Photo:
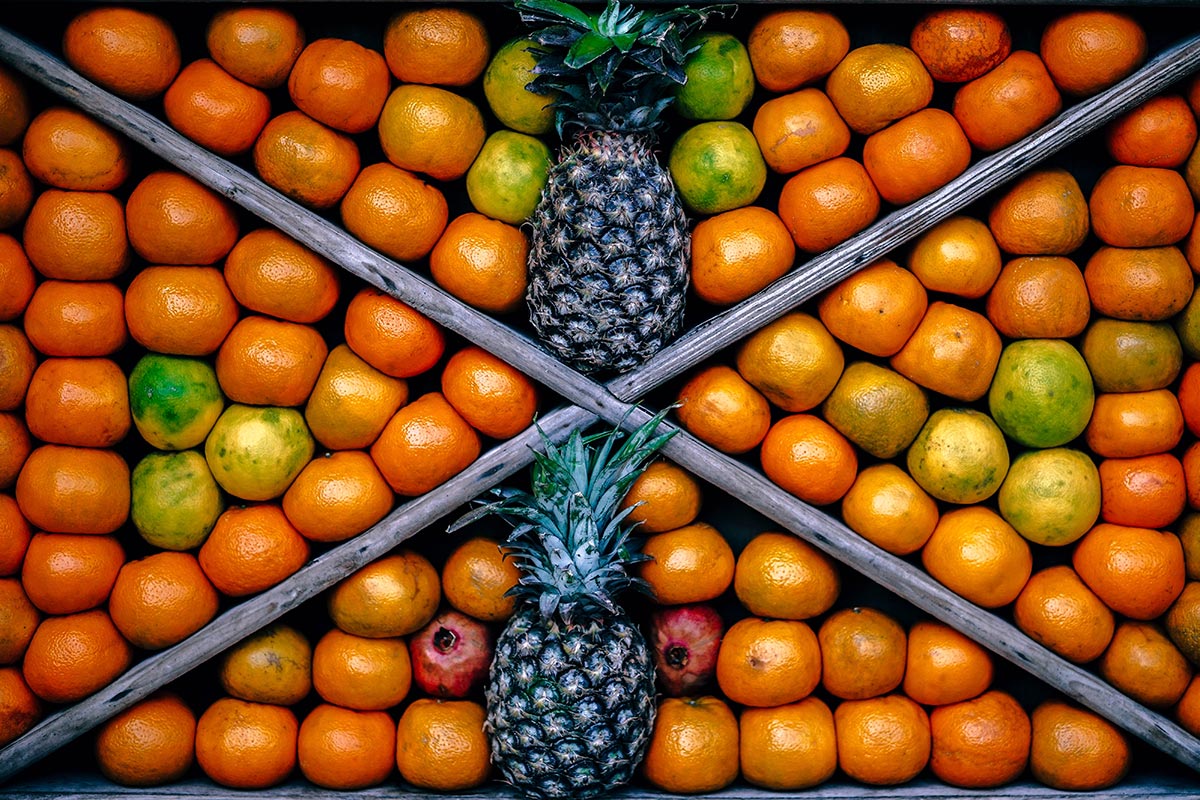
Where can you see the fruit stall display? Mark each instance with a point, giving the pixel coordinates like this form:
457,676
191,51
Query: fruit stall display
862,355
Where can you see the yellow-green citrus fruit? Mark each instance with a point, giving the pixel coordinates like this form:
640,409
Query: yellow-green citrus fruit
1051,496
255,452
1041,394
1187,324
505,85
717,167
506,180
174,400
1131,356
878,409
959,456
720,80
174,501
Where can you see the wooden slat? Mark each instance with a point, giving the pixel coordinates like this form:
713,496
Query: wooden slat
592,399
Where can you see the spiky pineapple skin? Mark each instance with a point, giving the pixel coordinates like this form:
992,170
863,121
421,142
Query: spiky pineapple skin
570,708
609,254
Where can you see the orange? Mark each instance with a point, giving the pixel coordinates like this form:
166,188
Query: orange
20,618
783,577
1008,102
251,548
216,110
15,535
882,740
1043,213
342,749
1187,710
718,406
65,573
687,565
78,401
736,253
274,274
305,160
876,309
1057,610
915,155
1075,749
980,743
798,130
793,361
392,336
1145,492
767,663
361,673
77,236
493,397
394,596
1141,207
1087,51
14,107
255,44
1132,356
665,497
174,219
76,318
180,310
879,410
1039,297
430,130
395,212
1182,622
1148,283
877,84
791,47
17,363
441,745
336,496
16,188
1143,663
694,747
944,666
1189,535
351,401
1191,471
1161,132
1136,572
978,555
1130,424
788,747
827,203
270,362
74,489
148,744
161,599
958,256
246,745
960,44
72,656
807,457
340,83
20,708
15,447
67,149
424,444
889,509
477,577
17,281
863,653
481,261
446,46
953,351
130,52
271,666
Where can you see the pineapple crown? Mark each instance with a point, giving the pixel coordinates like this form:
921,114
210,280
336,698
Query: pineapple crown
639,55
570,539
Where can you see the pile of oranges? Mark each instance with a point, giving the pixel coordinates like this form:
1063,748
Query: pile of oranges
191,407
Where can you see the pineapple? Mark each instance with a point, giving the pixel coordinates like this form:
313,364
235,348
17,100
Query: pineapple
570,694
609,250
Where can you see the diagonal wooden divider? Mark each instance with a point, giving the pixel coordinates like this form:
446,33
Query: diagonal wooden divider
610,403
